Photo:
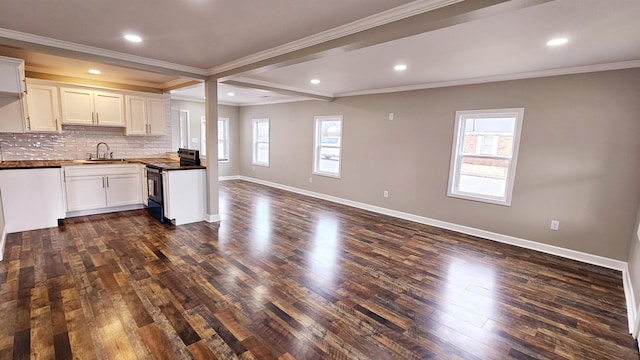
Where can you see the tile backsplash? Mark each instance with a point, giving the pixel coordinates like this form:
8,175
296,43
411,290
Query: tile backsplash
75,142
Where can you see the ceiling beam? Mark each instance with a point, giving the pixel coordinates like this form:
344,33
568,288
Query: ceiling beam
443,17
277,90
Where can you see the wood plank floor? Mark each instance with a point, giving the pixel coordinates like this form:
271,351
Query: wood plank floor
289,277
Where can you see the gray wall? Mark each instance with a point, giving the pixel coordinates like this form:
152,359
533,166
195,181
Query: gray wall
578,160
196,111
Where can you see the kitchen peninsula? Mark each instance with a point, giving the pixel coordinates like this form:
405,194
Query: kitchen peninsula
40,193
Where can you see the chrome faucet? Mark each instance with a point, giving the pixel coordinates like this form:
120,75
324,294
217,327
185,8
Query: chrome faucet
104,156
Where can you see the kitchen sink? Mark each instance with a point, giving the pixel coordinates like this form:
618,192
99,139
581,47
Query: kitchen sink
100,161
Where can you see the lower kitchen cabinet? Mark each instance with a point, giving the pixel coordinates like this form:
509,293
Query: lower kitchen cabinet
31,198
184,195
102,187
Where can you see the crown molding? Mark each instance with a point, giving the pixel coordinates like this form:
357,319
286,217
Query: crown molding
98,52
496,78
385,17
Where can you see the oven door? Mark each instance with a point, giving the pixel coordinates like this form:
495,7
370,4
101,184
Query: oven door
154,185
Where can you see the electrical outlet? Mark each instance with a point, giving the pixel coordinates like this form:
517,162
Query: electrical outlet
310,179
390,116
385,193
555,225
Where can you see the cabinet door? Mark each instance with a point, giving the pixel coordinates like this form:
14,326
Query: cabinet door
77,106
85,192
156,117
123,189
11,115
136,115
42,108
109,109
11,76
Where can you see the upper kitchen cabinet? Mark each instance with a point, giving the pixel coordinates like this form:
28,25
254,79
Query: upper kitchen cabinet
145,115
11,77
43,111
82,106
11,91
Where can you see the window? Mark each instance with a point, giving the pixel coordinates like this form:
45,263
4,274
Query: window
223,139
484,154
327,145
261,142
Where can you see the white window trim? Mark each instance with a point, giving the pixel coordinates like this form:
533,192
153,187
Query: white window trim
255,142
226,139
457,150
317,142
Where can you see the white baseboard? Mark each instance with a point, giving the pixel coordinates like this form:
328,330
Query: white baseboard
104,210
231,177
505,239
212,218
3,241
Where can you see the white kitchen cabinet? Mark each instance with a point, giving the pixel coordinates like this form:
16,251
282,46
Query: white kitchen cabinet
184,195
85,192
102,188
43,111
11,77
11,95
123,189
31,198
81,106
145,115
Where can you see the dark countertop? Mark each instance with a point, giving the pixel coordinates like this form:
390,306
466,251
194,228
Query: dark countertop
162,163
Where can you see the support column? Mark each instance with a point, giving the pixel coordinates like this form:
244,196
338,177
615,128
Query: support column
211,113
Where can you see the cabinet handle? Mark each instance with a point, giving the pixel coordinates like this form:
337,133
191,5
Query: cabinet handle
93,121
103,182
107,181
97,118
29,122
57,125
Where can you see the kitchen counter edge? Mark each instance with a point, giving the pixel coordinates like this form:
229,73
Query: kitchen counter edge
44,164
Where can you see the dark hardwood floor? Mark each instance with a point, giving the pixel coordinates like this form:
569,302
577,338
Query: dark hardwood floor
291,277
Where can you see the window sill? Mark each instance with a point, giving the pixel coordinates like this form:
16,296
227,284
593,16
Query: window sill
477,198
330,175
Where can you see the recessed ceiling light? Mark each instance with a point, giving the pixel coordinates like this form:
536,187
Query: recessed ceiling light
315,81
400,67
133,38
557,41
94,72
231,94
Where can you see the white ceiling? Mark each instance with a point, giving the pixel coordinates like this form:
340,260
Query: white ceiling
281,44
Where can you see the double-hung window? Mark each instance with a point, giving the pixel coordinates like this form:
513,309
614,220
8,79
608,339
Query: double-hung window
484,154
327,145
223,139
261,142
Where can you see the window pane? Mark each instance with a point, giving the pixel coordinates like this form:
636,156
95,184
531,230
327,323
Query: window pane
221,153
489,136
263,132
262,153
483,176
221,130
